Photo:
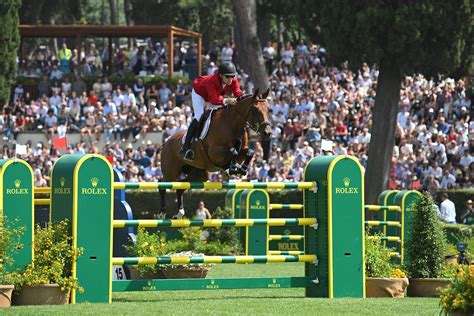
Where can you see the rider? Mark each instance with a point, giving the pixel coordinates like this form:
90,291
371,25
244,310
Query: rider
211,89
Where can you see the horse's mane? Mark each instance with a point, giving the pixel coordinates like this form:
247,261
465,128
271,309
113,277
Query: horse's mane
244,96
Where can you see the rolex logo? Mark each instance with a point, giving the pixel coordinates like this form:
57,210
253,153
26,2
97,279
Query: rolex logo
94,182
274,281
213,282
346,182
62,181
17,190
257,202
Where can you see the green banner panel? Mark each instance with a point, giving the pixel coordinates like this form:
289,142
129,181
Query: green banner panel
340,214
17,205
82,191
209,284
256,203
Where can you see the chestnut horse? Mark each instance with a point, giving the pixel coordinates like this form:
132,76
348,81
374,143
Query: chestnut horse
223,148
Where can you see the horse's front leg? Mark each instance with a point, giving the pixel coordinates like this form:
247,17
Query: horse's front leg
179,197
234,167
248,157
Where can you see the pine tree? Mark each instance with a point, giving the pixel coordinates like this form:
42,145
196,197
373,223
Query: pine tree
9,43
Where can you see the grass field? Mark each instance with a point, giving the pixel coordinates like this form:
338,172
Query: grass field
238,302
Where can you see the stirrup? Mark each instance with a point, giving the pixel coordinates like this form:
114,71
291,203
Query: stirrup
189,155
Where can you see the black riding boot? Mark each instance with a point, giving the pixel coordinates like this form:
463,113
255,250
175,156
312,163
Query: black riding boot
186,150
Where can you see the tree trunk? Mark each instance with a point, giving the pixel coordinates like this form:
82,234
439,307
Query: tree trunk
127,8
250,48
383,131
113,12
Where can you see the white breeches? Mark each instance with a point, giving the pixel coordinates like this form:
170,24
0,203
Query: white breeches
198,105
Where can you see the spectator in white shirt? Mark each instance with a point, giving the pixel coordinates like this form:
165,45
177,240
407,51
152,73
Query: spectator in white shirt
448,181
447,210
466,159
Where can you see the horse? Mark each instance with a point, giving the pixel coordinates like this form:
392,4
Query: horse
224,147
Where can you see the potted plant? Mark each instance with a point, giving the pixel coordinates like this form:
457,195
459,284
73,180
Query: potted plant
426,247
184,271
47,280
189,245
147,245
458,297
10,236
383,278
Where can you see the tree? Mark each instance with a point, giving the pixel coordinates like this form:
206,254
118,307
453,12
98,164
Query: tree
8,46
402,37
250,48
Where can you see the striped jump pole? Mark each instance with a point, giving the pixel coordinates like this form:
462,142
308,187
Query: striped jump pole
376,208
383,223
283,252
213,259
212,185
42,201
179,223
82,188
42,190
298,207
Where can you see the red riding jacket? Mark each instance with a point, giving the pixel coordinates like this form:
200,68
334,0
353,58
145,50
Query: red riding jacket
212,89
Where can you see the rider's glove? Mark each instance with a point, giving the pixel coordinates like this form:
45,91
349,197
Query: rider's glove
230,101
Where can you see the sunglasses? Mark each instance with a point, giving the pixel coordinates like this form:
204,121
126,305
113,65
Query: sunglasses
229,76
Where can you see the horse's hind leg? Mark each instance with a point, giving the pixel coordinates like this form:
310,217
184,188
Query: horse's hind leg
193,175
179,197
162,213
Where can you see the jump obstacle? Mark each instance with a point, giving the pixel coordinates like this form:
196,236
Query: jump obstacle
394,214
82,191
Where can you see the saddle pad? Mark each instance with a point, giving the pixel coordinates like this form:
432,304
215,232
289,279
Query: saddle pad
205,128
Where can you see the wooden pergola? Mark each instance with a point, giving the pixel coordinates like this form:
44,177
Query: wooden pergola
79,32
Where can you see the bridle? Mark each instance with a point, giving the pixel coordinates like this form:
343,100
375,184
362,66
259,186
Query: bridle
257,127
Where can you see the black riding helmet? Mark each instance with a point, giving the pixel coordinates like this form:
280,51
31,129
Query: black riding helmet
227,68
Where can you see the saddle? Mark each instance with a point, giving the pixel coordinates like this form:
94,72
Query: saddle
205,121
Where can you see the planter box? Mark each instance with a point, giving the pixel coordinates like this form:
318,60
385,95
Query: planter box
135,275
45,294
6,295
426,287
385,287
185,273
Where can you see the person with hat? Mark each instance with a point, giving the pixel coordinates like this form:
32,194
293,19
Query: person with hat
211,89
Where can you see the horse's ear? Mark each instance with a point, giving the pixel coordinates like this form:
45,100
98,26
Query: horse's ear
255,93
265,95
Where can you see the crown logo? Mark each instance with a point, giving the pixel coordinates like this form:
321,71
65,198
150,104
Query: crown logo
257,202
94,182
17,183
212,282
287,232
62,181
274,281
346,181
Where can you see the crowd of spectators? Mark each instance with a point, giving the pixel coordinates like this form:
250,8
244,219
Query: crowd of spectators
311,102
